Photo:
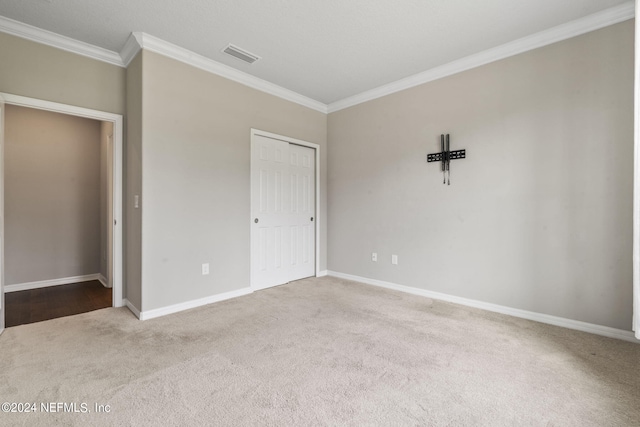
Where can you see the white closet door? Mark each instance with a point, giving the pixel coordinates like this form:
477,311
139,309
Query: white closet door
303,207
270,202
282,212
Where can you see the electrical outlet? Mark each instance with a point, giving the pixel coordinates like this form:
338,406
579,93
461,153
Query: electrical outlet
136,201
374,257
205,269
394,259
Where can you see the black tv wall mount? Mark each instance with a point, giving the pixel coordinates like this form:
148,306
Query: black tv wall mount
445,157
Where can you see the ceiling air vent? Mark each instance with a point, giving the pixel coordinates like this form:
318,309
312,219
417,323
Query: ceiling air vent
242,55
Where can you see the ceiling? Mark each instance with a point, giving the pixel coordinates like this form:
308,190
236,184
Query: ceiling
327,50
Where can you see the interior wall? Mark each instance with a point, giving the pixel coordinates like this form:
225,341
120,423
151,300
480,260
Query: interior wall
537,217
196,150
52,195
43,72
133,185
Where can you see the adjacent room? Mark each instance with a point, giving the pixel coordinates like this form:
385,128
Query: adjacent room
56,215
320,213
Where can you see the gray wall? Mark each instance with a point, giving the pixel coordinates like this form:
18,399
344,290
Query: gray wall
52,195
133,185
537,217
43,72
196,190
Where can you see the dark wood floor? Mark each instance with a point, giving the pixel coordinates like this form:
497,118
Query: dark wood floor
36,305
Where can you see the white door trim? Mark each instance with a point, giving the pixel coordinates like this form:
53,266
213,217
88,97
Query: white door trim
257,132
635,322
118,129
2,308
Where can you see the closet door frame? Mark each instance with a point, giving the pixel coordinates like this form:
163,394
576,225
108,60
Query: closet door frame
317,218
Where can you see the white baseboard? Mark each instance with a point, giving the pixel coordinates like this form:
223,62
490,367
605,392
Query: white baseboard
150,314
131,307
53,282
530,315
322,273
104,281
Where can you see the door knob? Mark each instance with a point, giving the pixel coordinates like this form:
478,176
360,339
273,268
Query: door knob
311,219
255,220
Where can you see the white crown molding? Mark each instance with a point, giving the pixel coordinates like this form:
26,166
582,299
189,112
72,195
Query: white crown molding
54,282
571,29
38,35
178,53
523,314
130,49
150,314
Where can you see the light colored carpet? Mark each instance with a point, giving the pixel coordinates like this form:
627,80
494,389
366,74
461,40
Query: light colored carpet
319,352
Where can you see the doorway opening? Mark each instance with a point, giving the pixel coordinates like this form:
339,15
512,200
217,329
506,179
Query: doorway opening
74,255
